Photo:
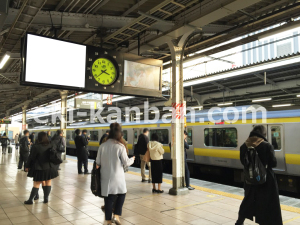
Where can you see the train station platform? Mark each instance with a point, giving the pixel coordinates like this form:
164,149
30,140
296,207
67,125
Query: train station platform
71,201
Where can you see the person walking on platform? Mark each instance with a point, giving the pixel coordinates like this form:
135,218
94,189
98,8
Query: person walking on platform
24,149
4,142
112,157
186,168
141,145
44,171
17,141
59,141
81,151
49,135
261,200
156,155
104,136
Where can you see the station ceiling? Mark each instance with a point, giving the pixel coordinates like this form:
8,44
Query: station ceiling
116,24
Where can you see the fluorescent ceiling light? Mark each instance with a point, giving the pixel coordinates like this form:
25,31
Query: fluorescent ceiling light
139,113
298,96
283,105
154,112
197,107
79,120
4,60
226,103
103,117
262,100
248,70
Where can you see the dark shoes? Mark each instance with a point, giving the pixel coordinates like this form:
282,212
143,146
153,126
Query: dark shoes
28,202
149,181
87,173
145,180
190,188
37,197
47,190
34,192
157,191
80,173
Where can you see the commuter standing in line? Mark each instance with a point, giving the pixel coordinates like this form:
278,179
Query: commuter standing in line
59,141
44,170
24,149
49,135
142,143
81,151
4,142
32,137
104,136
186,168
112,157
156,154
261,201
16,141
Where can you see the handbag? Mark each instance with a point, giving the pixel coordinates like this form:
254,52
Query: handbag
96,181
146,157
55,157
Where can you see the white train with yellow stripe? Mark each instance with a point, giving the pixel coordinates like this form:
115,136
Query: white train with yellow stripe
214,147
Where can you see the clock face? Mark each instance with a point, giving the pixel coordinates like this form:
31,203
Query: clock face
104,71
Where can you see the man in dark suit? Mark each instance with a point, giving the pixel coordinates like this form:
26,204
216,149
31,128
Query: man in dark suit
186,169
142,143
82,153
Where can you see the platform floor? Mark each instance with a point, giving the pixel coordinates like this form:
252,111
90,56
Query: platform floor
71,201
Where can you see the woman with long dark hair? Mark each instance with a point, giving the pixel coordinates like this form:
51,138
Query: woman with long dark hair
261,201
112,157
44,171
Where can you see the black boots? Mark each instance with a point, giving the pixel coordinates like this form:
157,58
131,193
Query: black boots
47,190
34,192
37,196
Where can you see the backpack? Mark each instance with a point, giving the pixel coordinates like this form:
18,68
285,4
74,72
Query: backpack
136,150
55,157
254,171
4,141
96,181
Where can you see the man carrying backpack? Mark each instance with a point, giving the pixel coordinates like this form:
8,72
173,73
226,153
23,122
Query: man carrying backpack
261,190
4,142
24,149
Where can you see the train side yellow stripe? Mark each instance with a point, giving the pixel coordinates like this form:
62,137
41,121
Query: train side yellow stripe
140,126
167,149
93,143
229,154
129,146
292,159
102,128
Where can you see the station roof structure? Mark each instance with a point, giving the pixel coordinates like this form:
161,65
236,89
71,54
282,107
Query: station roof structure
116,24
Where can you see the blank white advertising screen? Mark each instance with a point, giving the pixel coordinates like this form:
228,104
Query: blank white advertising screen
54,62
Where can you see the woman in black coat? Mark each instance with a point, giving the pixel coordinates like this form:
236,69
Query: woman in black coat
81,151
261,201
44,171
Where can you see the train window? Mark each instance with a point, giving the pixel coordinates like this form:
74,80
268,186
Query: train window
135,137
190,136
220,137
163,135
276,137
73,135
94,135
125,133
68,135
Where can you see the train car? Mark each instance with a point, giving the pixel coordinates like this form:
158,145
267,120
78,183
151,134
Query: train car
214,146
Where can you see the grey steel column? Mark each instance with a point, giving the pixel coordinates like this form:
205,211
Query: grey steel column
6,125
177,126
24,118
63,118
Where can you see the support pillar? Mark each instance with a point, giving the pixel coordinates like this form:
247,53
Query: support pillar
24,125
63,118
177,126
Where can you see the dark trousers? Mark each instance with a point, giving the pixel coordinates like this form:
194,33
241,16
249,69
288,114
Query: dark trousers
81,161
187,173
22,160
4,148
240,221
114,200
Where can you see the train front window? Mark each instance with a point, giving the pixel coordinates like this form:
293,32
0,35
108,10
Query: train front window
135,137
94,135
220,137
163,135
125,133
190,136
276,137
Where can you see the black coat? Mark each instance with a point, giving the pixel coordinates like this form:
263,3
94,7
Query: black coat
262,201
102,138
39,157
81,150
142,144
24,146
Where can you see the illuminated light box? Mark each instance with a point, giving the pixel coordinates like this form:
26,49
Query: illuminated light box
57,64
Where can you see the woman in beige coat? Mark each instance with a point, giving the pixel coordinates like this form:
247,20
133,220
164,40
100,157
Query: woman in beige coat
156,154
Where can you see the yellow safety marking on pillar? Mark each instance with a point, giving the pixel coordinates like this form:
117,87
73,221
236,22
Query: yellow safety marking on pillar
287,221
200,203
215,192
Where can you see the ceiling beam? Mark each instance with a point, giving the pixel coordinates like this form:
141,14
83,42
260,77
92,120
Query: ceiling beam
60,4
103,2
221,86
270,81
134,7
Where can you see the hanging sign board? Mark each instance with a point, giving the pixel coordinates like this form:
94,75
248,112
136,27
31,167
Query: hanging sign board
87,103
5,121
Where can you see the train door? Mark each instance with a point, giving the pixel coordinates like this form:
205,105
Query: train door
190,151
275,137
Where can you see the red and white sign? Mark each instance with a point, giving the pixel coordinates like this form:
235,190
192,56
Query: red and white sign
178,110
109,100
24,126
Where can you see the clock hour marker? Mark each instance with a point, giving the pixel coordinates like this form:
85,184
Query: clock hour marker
90,59
96,85
89,68
96,53
120,65
90,77
105,53
104,87
114,57
112,86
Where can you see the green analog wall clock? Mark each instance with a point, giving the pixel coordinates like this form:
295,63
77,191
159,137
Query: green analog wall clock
104,71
